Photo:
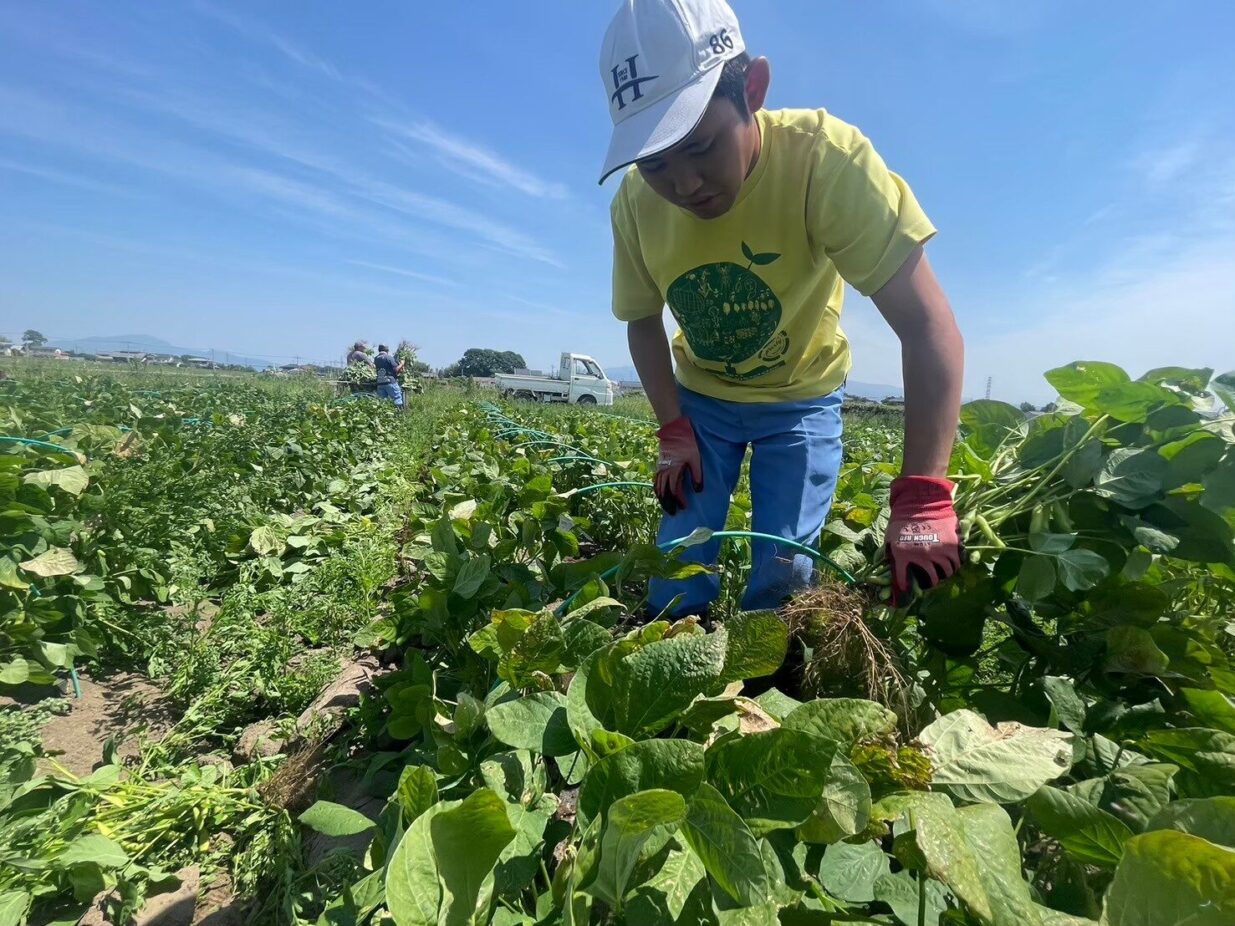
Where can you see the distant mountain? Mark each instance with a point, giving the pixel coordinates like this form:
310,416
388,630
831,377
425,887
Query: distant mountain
151,345
622,374
876,391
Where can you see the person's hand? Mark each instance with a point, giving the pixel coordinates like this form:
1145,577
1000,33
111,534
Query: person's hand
922,534
678,453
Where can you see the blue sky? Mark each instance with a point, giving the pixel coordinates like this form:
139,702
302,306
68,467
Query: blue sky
280,178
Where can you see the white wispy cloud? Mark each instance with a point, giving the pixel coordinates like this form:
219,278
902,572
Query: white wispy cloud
401,271
256,32
53,175
1166,307
473,161
1161,164
339,193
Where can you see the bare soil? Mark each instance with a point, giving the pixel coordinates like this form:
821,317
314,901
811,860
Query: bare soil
123,705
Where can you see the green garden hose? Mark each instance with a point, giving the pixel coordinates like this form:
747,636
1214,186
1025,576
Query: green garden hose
608,485
729,535
580,458
509,431
549,442
30,441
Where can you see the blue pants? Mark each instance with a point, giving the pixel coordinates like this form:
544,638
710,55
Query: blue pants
795,458
390,391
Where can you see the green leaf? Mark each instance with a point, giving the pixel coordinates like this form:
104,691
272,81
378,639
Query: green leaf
1206,759
413,892
763,259
747,252
850,871
987,424
774,779
758,641
676,893
1133,401
1055,918
520,860
536,722
974,852
333,819
71,479
14,672
1091,835
471,576
1186,378
1135,793
1219,494
14,907
900,892
1052,544
54,562
265,541
1036,579
1133,650
463,511
1081,381
1083,465
1080,570
1212,708
1168,878
1131,476
538,650
441,873
631,821
845,808
1224,386
974,761
638,689
93,848
9,577
1211,818
845,721
1191,458
416,791
660,764
726,846
1069,707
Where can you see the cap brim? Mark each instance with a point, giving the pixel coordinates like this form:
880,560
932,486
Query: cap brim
662,125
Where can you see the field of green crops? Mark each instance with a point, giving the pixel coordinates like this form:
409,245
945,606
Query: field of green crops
396,669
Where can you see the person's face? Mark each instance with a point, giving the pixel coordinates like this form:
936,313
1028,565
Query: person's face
704,172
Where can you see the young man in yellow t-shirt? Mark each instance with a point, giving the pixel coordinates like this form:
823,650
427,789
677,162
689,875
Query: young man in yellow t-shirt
747,223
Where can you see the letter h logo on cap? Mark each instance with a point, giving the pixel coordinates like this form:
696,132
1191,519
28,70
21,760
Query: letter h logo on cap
627,78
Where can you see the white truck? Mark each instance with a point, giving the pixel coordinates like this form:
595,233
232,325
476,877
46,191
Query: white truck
579,379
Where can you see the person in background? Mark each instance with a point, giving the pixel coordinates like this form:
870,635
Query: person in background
360,354
388,372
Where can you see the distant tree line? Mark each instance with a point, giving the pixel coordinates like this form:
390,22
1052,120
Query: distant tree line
481,361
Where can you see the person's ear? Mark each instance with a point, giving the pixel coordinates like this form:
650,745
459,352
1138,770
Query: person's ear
758,78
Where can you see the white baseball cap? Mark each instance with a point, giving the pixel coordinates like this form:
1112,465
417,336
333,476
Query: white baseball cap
660,64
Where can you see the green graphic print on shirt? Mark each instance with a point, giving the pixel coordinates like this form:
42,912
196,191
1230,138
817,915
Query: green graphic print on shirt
728,315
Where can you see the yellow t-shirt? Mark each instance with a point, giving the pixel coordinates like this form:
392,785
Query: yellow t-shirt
757,292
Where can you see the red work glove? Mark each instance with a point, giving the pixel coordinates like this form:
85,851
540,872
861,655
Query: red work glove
922,533
678,453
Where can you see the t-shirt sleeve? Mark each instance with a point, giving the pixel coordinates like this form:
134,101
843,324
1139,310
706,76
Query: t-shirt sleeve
635,294
863,217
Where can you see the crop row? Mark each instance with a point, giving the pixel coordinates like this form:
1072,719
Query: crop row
1048,740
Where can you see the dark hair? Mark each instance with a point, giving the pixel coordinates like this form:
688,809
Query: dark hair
732,85
382,347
